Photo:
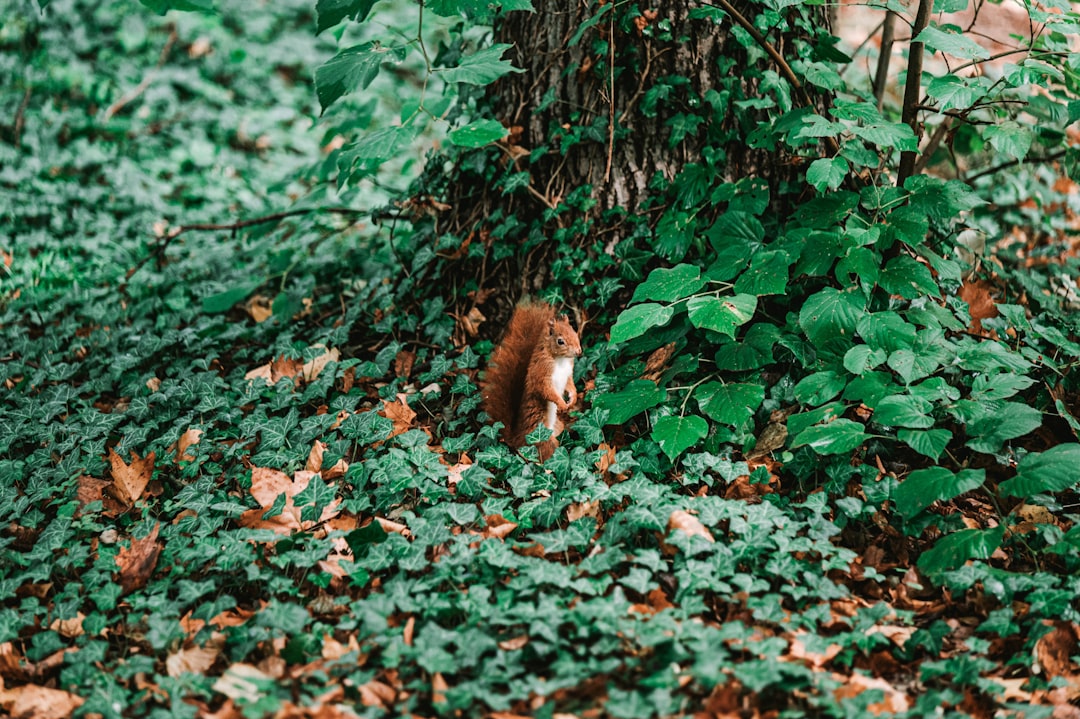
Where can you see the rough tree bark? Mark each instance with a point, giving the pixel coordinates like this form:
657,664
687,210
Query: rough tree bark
620,101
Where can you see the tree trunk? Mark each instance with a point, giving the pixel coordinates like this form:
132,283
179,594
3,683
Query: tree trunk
603,128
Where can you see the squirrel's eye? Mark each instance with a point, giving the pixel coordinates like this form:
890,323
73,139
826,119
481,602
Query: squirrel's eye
562,341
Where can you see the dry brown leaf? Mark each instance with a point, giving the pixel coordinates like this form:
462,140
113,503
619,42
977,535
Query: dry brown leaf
688,524
1054,650
311,369
261,372
981,305
816,660
195,660
377,694
138,561
90,490
438,688
577,510
403,363
129,480
333,650
242,682
389,526
13,664
472,321
893,701
407,632
266,486
512,645
187,439
498,527
259,308
453,473
69,628
399,413
284,367
232,618
658,362
153,384
314,459
34,702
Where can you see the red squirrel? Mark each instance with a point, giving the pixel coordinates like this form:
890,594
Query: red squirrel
530,372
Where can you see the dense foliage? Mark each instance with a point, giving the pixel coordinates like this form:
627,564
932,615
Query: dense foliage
826,458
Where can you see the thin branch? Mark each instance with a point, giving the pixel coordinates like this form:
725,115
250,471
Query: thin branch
277,216
146,81
20,119
912,89
1014,162
611,97
884,57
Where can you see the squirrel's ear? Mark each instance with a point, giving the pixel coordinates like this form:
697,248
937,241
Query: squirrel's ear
551,326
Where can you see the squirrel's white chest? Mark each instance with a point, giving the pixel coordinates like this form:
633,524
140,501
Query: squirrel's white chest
560,375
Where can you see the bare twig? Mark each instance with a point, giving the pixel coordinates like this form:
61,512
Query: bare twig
884,56
912,88
1014,162
935,140
611,97
277,216
20,118
147,80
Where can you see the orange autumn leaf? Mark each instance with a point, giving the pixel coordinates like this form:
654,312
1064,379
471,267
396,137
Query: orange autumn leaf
399,413
195,660
34,702
187,439
138,561
310,370
266,486
981,305
688,524
129,480
315,461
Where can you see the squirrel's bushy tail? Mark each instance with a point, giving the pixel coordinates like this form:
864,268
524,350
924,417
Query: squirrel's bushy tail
503,386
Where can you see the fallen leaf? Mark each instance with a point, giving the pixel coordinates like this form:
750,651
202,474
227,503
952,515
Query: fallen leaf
90,490
389,526
13,664
407,632
577,510
34,702
1054,650
138,561
129,480
243,682
399,413
69,628
259,308
153,384
195,660
893,701
315,460
981,305
266,486
377,694
472,321
187,439
688,524
311,369
438,688
657,362
512,645
403,363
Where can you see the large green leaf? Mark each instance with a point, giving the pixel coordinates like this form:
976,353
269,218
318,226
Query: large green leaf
677,434
639,319
638,396
929,443
923,487
722,314
827,173
1005,421
1055,470
668,285
352,69
954,549
331,12
952,43
829,317
767,274
482,67
730,403
901,410
836,437
224,301
477,134
819,387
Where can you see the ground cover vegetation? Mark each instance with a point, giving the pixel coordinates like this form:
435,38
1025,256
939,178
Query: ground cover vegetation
825,456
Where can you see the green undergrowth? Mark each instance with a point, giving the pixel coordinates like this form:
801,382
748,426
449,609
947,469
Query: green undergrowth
244,470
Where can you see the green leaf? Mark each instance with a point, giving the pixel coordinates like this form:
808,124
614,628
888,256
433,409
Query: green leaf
732,403
923,487
482,67
755,351
224,301
721,314
952,43
908,278
767,274
351,69
861,358
827,173
638,320
930,443
901,410
1055,470
1010,138
375,148
887,331
668,285
331,12
360,540
836,437
477,134
1007,421
638,396
998,386
888,134
677,434
954,549
818,388
954,92
829,317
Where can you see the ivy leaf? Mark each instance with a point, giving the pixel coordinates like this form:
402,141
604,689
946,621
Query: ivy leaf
930,443
482,67
373,149
954,549
331,12
732,403
638,320
677,434
1055,470
827,173
901,410
224,301
951,43
668,285
352,69
721,314
836,437
830,315
923,487
638,396
477,134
